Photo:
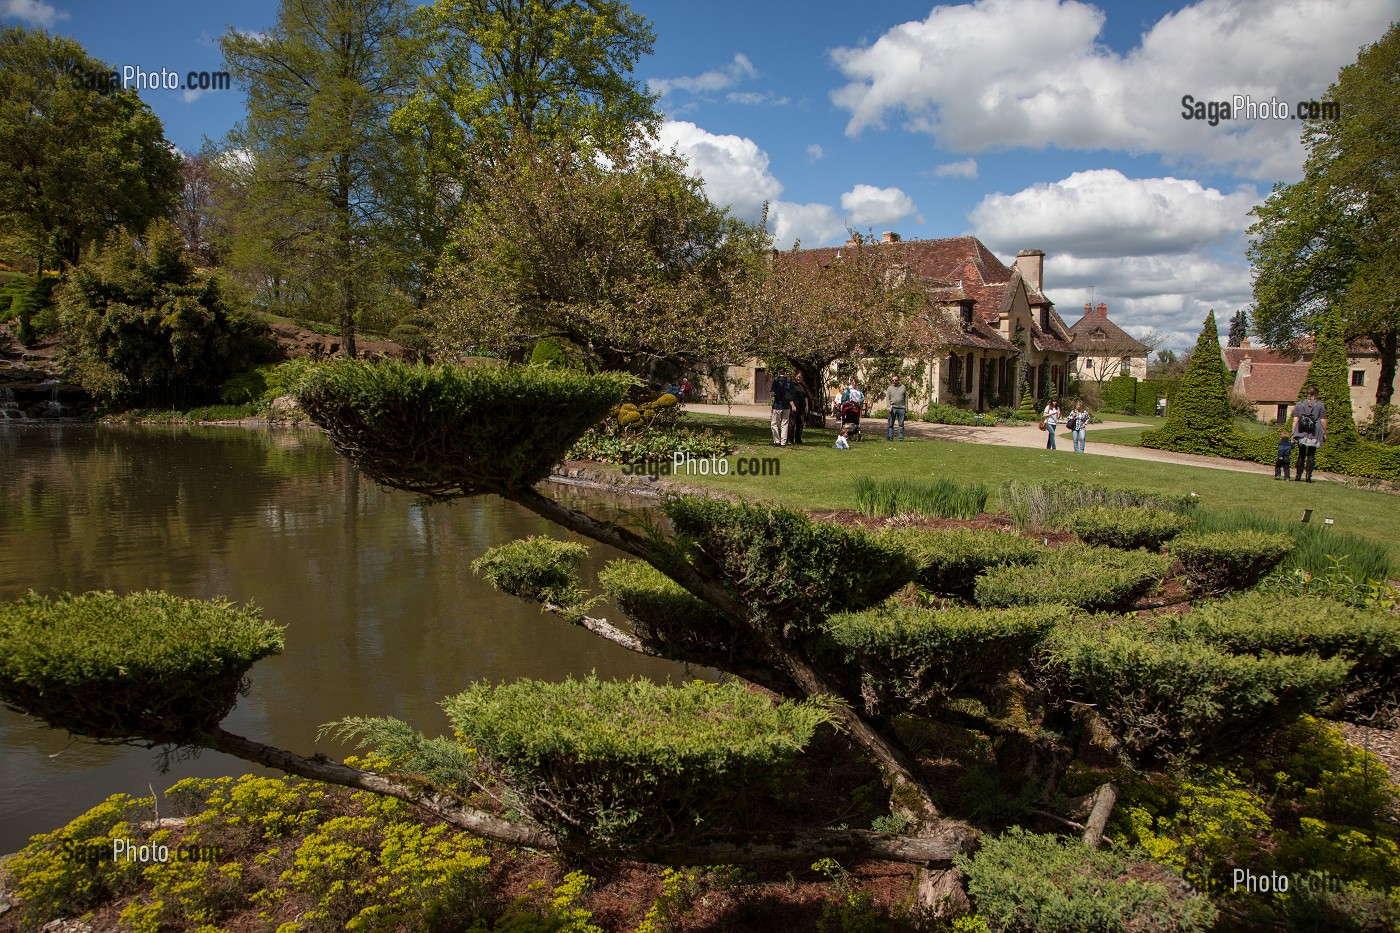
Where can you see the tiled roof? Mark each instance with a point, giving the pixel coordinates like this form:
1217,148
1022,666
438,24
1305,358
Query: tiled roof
962,268
1301,351
1272,382
1114,342
1235,355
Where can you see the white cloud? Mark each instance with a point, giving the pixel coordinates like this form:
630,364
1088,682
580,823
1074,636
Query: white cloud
811,224
1160,252
1104,213
752,98
995,74
868,206
716,79
815,152
734,168
33,12
967,168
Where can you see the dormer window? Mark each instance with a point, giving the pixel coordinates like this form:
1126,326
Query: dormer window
1045,318
966,310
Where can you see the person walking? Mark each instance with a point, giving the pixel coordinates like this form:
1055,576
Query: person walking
1076,422
1285,455
782,409
1052,420
1309,431
897,398
797,390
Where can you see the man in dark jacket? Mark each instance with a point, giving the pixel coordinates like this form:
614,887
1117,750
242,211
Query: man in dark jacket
797,391
782,409
1309,430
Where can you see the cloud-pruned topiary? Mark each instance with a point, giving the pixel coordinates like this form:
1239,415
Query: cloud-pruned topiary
634,763
447,431
144,669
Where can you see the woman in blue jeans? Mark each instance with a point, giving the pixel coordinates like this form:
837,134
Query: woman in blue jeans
1076,421
1052,420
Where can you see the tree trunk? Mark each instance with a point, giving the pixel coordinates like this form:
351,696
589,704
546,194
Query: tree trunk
1387,344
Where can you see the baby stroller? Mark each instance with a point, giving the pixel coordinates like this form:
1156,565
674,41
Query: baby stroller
850,420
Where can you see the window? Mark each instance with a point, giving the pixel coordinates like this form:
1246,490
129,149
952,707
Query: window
966,313
1045,318
1358,377
1282,413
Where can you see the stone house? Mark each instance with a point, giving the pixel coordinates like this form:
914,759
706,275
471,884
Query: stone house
1104,350
1271,379
991,323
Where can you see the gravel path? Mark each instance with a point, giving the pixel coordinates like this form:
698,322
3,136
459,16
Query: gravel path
1023,436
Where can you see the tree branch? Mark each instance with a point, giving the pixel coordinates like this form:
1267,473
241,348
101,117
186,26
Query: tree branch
939,847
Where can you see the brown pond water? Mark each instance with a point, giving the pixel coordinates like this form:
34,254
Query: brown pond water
383,615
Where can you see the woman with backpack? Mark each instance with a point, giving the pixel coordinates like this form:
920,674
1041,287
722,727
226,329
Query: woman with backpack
1309,431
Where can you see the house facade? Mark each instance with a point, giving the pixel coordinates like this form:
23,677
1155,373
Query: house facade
991,324
1104,350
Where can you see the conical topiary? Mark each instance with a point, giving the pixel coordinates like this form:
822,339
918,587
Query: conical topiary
1328,371
1198,420
1026,410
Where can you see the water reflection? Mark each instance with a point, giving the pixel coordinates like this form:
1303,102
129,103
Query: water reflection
383,614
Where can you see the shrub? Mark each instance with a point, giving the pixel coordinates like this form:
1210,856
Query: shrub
949,560
662,611
1198,418
1265,623
634,763
1223,561
1094,579
1316,545
147,668
656,446
910,658
1041,884
1119,395
540,569
1161,697
1050,505
412,337
248,386
446,431
791,570
938,498
1127,528
947,414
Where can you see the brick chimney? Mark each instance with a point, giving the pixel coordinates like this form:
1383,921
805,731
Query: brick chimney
889,237
1031,264
1103,310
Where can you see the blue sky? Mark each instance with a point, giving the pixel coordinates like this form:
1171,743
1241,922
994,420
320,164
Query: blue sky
1046,124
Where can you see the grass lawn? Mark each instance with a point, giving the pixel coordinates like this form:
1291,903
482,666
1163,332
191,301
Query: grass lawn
1132,437
816,476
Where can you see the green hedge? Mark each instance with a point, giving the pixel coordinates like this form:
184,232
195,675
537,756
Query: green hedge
447,431
633,763
144,669
1127,528
950,414
1162,698
1224,561
1119,395
949,560
1090,578
1264,623
910,659
1025,883
791,570
937,498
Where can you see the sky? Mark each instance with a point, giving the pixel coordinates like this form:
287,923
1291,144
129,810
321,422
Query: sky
1032,124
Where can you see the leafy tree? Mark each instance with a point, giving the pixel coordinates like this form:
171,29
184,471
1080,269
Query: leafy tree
1328,240
490,71
78,155
1239,329
316,157
148,326
623,257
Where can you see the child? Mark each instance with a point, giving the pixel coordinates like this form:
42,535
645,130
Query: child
1285,450
841,442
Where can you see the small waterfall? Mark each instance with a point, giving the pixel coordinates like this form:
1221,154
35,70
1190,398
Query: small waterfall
53,408
9,408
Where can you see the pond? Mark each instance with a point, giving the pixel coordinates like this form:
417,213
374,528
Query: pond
383,615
